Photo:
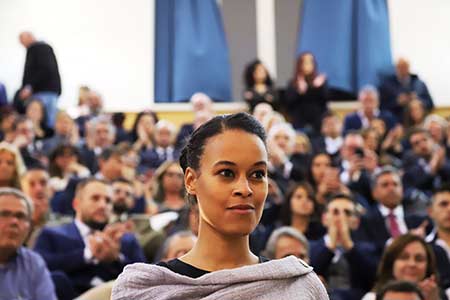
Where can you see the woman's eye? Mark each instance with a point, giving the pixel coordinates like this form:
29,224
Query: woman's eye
226,173
259,174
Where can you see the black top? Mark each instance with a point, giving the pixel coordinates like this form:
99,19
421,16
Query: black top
41,69
182,268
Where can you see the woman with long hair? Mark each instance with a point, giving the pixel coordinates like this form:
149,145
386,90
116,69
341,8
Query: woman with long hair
258,85
12,166
306,95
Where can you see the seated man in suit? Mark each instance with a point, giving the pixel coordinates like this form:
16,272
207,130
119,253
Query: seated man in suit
100,134
123,201
331,140
397,90
346,263
23,274
387,218
35,184
88,252
369,102
426,158
356,165
165,134
439,239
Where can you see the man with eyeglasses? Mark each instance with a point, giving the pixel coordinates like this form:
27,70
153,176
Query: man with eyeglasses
23,273
347,264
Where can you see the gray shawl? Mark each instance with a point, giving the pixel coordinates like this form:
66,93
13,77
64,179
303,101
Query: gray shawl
287,278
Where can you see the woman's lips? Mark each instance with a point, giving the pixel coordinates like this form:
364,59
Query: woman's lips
241,208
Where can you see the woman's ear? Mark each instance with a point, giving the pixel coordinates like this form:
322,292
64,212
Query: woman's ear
190,181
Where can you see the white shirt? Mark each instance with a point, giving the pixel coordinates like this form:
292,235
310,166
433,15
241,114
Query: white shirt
399,214
364,120
169,152
333,145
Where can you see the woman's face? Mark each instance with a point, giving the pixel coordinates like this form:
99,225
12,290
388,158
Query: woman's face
436,131
308,64
7,166
301,204
371,140
411,264
416,111
34,111
319,166
259,74
172,180
64,160
282,140
231,184
148,123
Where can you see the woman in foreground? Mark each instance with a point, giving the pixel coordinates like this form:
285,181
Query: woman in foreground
225,172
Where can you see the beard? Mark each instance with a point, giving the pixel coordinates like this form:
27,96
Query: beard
94,225
120,208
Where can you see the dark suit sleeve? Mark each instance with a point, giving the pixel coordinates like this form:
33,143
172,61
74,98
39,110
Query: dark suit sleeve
131,250
363,264
321,257
48,246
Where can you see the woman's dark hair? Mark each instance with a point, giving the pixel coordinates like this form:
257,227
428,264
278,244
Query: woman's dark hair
385,271
134,135
286,211
299,69
249,74
53,169
309,174
400,286
193,150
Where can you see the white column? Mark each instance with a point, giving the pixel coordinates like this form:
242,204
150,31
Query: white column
265,30
151,84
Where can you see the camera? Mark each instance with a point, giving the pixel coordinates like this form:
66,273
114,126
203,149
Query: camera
360,152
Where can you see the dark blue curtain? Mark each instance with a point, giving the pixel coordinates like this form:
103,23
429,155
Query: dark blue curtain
191,51
350,39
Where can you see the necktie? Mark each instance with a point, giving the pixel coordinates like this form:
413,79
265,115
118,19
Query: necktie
393,225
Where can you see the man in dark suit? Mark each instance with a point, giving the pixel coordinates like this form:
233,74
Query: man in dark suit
164,150
346,263
426,158
362,118
397,90
439,239
86,252
41,75
331,140
387,218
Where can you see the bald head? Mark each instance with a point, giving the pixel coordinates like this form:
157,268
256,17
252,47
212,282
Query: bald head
402,68
26,38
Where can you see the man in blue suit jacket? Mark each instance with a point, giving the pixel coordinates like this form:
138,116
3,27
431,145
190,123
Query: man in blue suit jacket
362,118
86,252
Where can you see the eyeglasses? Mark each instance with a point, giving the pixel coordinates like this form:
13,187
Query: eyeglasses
6,214
346,211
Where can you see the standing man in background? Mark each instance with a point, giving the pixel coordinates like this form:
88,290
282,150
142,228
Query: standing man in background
40,76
